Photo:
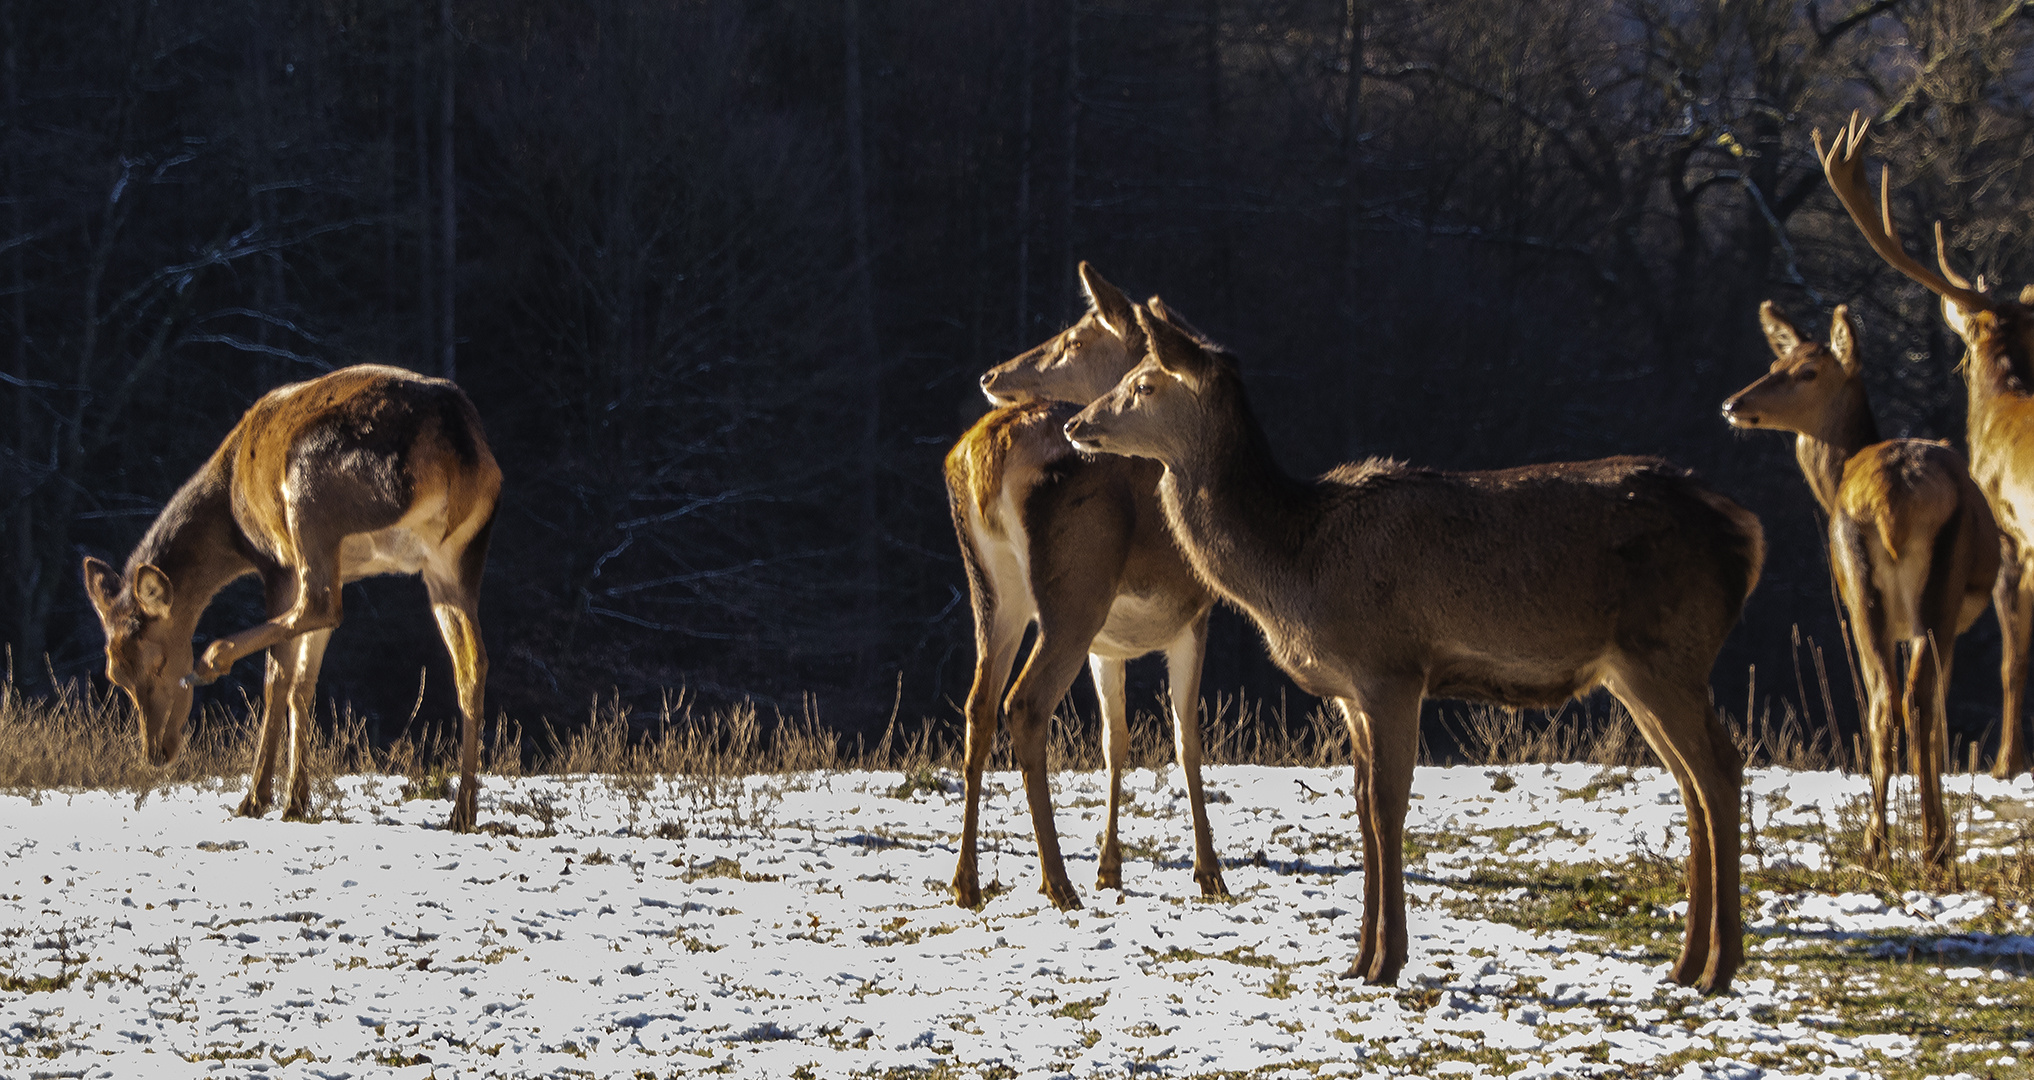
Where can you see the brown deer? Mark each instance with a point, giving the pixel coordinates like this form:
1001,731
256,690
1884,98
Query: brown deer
1380,584
1913,544
1078,546
368,470
1998,362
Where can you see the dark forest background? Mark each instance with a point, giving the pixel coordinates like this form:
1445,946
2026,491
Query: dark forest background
721,277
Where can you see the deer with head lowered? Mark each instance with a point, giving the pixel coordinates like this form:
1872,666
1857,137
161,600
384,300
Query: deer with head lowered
1380,584
368,470
1998,366
1077,545
1912,542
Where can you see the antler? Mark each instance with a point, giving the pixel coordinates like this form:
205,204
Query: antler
1843,164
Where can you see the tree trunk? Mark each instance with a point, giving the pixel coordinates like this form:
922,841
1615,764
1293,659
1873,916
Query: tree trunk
28,630
1073,140
448,215
870,531
1349,293
1024,93
427,318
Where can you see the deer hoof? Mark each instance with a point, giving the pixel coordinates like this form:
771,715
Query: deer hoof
251,807
1212,885
967,888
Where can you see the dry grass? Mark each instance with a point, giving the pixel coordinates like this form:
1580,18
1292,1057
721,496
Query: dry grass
79,738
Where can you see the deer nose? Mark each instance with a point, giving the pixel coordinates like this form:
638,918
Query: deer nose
1730,412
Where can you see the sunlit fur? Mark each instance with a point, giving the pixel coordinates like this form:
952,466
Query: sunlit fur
368,470
1911,539
1078,546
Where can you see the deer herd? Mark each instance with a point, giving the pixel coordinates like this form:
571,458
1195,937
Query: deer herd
1122,485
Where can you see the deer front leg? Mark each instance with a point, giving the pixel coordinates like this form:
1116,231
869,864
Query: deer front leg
318,606
1108,676
1183,678
1040,686
307,654
275,700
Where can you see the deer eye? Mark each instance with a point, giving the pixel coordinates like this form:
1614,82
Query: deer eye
1805,375
1145,388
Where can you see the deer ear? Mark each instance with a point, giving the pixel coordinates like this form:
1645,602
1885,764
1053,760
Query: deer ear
152,591
1176,352
1107,301
1780,333
1843,338
1162,310
102,584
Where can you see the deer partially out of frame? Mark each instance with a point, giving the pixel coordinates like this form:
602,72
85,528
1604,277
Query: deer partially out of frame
1998,363
1914,547
368,470
1077,545
1379,584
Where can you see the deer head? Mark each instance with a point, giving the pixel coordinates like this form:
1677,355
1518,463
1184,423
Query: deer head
1808,381
1999,330
1080,363
148,651
1161,407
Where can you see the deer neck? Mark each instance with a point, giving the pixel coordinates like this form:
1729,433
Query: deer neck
196,543
1847,428
1995,388
1238,518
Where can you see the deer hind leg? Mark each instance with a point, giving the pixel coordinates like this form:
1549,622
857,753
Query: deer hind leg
1673,713
1183,659
1384,724
2013,597
1877,659
1924,706
306,656
280,589
998,636
458,617
1108,676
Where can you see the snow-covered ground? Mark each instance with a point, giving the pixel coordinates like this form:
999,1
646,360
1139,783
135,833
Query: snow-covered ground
793,926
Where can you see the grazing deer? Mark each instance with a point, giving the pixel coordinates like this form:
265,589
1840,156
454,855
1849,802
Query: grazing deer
1998,363
1379,584
1914,547
368,470
1077,545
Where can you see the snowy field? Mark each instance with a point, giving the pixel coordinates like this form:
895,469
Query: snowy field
798,926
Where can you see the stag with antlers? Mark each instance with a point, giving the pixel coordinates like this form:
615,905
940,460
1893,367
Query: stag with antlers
1998,338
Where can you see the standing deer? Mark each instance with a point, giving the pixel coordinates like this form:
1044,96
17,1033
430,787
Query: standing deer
1998,362
1379,584
368,470
1077,545
1914,547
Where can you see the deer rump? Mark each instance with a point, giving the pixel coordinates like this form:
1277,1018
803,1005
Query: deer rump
1513,586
